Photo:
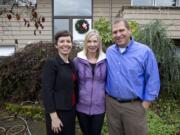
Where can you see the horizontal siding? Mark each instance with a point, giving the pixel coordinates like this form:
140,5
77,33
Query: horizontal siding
101,8
117,5
13,29
169,17
108,8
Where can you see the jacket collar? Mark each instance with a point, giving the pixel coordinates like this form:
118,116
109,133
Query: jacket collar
82,55
60,60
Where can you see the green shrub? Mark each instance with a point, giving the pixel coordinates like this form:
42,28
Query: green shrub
30,111
104,28
154,35
156,126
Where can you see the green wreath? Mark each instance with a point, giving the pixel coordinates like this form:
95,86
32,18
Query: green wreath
82,26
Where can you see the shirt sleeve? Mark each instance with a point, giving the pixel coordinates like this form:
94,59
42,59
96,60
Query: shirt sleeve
152,79
48,82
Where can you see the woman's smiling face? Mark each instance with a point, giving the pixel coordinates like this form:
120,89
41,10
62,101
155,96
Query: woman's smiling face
64,45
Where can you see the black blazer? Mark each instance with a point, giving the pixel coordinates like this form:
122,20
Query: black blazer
58,85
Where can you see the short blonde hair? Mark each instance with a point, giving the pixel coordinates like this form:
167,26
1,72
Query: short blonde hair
89,35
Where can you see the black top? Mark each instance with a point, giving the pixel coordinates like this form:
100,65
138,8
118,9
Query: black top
58,85
93,66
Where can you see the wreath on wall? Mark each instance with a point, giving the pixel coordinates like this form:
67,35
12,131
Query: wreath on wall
82,26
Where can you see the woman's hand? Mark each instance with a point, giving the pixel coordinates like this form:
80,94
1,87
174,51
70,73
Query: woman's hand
56,123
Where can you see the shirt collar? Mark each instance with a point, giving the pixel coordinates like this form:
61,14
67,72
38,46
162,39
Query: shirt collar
123,50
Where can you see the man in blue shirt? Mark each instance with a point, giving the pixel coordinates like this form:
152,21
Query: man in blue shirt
132,82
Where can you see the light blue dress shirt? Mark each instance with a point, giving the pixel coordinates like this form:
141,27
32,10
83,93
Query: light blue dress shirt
133,73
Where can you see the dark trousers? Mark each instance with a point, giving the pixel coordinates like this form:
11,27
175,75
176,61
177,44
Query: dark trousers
68,120
90,124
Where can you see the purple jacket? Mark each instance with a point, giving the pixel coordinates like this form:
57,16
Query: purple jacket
91,89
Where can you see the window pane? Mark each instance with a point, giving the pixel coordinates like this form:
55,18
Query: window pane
142,2
165,2
178,51
61,24
7,50
26,2
72,7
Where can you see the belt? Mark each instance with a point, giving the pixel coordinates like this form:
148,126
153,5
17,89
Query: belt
125,101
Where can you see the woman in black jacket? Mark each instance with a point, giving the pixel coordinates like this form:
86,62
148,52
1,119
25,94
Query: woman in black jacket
59,88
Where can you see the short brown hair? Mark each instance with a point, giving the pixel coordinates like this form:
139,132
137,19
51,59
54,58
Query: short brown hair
64,33
118,20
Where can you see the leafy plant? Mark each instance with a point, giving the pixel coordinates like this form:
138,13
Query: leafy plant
134,28
105,127
104,28
30,111
155,36
156,126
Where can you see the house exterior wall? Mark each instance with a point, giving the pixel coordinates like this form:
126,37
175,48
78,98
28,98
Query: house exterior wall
170,17
109,9
13,29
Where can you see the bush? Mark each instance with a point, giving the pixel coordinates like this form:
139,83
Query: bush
20,74
104,28
155,36
30,111
156,126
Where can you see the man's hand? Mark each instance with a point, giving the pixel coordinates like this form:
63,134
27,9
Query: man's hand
56,122
146,104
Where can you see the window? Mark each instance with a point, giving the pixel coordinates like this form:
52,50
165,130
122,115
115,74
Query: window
178,51
7,50
155,2
61,24
26,2
19,2
165,2
142,2
65,15
72,8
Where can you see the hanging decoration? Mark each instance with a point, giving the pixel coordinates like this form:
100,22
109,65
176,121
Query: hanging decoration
82,26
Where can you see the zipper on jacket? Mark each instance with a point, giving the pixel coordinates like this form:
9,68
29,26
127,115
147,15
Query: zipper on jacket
92,88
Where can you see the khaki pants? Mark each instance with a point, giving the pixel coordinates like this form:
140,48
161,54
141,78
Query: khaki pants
125,118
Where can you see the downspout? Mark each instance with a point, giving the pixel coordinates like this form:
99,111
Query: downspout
110,10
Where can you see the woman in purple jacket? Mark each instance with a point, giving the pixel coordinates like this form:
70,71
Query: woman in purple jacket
90,64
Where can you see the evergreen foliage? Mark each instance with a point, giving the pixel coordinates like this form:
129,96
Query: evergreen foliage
155,36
